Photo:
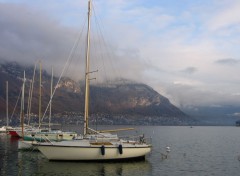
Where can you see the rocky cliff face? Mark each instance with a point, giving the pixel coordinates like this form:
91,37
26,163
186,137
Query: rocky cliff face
134,100
68,85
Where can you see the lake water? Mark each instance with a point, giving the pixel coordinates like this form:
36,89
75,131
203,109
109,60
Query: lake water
200,151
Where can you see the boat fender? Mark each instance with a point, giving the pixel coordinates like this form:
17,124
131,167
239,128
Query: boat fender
120,149
103,150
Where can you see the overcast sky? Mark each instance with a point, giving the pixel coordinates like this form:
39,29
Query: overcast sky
187,50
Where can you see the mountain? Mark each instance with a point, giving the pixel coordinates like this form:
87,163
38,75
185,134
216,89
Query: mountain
215,115
122,103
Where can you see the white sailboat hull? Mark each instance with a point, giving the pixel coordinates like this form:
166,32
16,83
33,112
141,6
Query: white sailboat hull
86,152
5,129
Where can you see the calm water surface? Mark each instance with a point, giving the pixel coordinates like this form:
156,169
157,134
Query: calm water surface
194,151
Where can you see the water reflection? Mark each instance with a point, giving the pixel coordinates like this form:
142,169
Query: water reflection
34,163
8,151
103,169
28,162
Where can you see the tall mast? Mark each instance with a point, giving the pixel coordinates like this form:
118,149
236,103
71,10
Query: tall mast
28,105
7,101
40,93
31,92
50,107
22,104
87,72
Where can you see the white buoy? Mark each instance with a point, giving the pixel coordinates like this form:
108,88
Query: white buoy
168,149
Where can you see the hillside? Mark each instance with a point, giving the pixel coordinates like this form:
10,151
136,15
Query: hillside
133,103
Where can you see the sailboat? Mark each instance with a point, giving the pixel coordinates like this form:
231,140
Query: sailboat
94,145
19,131
43,134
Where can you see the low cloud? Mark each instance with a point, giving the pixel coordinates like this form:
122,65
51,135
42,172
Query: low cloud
189,70
229,61
27,36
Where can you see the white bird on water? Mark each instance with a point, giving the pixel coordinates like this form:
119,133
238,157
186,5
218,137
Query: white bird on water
168,149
